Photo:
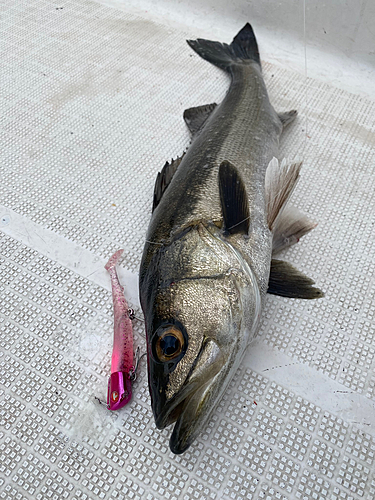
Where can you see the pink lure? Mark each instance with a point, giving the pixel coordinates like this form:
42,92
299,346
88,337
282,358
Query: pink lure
119,383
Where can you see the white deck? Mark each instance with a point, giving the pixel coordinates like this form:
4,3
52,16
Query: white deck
92,100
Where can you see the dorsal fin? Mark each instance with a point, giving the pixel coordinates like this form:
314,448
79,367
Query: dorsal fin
164,178
234,202
195,118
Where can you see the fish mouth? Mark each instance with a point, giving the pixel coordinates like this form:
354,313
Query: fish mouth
172,410
185,429
188,408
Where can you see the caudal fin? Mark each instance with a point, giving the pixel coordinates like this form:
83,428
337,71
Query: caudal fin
114,259
243,48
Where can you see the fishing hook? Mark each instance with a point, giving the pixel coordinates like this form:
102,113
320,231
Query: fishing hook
137,357
132,315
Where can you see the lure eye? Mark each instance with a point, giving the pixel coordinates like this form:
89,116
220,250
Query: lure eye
170,344
115,396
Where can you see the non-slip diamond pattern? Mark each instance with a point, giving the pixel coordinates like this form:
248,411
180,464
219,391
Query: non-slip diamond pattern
91,103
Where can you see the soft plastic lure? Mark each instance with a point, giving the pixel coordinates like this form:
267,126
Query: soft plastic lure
122,367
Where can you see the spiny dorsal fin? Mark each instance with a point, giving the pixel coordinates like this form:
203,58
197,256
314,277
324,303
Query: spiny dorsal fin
164,178
280,182
234,202
195,118
287,117
287,281
289,227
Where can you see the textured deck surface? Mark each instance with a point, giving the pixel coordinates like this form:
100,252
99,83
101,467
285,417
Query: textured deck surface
91,107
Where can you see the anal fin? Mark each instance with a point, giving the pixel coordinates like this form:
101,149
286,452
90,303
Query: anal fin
164,178
234,202
195,118
287,281
287,117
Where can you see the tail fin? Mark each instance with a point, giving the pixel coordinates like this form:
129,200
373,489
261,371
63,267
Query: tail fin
243,48
113,260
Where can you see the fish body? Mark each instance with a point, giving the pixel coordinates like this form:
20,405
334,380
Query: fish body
206,263
122,365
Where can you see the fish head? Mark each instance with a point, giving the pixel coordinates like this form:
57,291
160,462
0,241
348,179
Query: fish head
197,332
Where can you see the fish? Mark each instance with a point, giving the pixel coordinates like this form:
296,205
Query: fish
220,214
122,365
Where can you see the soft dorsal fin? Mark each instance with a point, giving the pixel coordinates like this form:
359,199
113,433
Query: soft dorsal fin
234,202
195,118
280,181
164,178
287,281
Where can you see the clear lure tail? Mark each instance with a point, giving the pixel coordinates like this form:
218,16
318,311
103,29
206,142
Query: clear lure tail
122,366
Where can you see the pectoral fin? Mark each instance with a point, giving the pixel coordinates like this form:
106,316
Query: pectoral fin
287,281
234,202
280,181
287,223
289,227
195,118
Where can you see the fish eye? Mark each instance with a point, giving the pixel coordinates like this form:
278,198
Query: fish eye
170,344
